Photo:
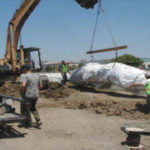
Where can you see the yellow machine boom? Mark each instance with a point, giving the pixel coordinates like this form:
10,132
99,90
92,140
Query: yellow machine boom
14,28
16,24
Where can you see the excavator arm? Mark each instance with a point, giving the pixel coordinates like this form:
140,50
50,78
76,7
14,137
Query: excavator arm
17,22
14,29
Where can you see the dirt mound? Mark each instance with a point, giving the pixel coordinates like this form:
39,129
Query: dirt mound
10,89
129,108
56,90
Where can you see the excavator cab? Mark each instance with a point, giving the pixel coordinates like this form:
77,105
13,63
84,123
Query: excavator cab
26,57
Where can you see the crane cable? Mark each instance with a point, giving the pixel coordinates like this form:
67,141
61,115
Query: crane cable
95,27
100,7
109,29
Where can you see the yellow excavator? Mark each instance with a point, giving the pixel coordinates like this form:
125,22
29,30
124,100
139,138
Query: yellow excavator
14,57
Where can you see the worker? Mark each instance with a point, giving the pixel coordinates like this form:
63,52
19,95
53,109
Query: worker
29,91
146,85
63,68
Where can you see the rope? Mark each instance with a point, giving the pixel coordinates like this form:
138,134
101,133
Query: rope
109,29
95,27
100,7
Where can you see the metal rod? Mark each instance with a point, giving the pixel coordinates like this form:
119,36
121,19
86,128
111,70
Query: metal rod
13,98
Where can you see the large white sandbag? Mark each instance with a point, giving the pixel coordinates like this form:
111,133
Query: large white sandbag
91,73
124,75
116,73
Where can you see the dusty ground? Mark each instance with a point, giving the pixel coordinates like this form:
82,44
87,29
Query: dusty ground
66,129
78,118
70,130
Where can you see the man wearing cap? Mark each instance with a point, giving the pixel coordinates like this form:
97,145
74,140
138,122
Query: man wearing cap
146,85
29,91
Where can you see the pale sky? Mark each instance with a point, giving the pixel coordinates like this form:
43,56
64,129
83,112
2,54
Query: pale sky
63,30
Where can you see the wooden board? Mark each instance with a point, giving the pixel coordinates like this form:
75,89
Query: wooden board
11,118
145,125
108,49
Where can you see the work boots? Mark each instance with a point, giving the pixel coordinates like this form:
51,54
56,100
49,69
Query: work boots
37,118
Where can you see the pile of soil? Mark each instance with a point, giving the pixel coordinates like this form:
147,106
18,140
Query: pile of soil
10,89
121,104
126,105
56,90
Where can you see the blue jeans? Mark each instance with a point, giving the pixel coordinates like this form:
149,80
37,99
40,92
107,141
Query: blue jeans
29,105
148,102
64,78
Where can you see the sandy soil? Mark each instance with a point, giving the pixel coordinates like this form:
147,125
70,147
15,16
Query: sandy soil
70,130
77,118
66,129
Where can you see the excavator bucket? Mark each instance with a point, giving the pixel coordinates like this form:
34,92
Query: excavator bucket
87,3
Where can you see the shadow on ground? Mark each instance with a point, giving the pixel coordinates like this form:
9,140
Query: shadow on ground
143,108
110,93
7,132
